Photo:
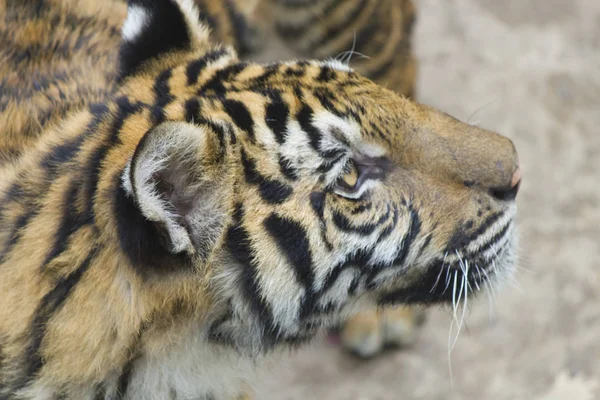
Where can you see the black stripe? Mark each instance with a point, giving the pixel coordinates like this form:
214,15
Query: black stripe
292,240
192,110
460,238
192,114
359,259
57,156
323,95
317,202
494,239
60,155
390,228
142,241
49,305
408,240
195,67
261,80
327,74
94,165
362,208
166,31
71,221
240,116
163,96
216,83
16,232
305,117
287,169
271,191
239,244
346,225
276,116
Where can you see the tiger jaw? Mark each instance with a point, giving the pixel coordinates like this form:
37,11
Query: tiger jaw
479,265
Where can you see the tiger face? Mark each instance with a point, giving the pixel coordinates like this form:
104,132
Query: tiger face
306,189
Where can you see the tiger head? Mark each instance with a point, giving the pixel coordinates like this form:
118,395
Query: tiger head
301,188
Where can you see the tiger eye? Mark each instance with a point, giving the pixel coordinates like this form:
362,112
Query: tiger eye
351,177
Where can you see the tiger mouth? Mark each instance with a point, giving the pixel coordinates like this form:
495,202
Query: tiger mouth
463,271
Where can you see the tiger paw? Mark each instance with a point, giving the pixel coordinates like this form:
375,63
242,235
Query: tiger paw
367,333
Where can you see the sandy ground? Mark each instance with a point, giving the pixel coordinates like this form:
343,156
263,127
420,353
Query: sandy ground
529,69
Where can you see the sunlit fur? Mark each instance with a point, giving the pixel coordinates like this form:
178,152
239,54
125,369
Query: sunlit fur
161,240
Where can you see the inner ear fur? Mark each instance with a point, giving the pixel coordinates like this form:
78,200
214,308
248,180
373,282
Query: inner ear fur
179,185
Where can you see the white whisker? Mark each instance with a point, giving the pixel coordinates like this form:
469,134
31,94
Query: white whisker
439,275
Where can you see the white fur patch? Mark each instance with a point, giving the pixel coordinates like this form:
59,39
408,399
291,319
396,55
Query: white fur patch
336,64
189,367
137,19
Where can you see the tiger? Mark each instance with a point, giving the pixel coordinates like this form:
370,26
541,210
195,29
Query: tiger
187,214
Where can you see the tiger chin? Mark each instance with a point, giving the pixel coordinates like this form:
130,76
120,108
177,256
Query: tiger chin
160,244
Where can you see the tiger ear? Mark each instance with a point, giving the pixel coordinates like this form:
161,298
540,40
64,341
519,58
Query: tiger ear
180,186
155,27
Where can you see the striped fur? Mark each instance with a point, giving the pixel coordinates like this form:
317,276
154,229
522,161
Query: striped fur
202,212
374,34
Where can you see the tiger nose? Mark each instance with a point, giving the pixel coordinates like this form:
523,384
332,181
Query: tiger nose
510,191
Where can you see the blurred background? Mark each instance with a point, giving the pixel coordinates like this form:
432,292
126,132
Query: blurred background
529,69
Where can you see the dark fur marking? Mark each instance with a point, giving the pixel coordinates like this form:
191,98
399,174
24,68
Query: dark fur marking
49,305
194,68
271,191
239,244
327,74
94,164
461,238
240,116
141,240
344,224
292,239
317,201
403,249
360,259
192,110
276,116
165,31
304,117
16,231
71,221
288,170
163,96
216,83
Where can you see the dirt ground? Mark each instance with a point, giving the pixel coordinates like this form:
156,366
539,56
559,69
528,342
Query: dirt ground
529,69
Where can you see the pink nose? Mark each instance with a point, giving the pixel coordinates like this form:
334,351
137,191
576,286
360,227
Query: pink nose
516,179
508,193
